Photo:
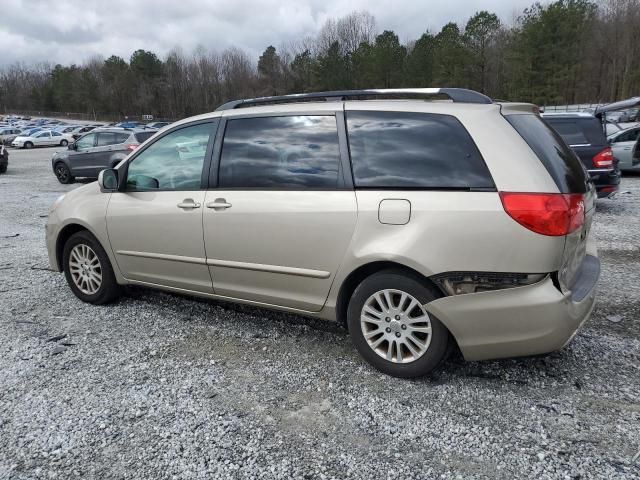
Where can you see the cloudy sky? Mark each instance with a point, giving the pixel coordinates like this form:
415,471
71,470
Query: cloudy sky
70,31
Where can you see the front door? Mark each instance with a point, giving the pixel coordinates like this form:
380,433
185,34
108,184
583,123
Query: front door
281,219
155,224
82,155
42,139
622,146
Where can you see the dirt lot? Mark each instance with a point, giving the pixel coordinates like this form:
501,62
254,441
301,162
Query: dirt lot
163,386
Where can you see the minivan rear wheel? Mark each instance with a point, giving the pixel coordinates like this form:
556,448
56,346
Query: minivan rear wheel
390,327
88,270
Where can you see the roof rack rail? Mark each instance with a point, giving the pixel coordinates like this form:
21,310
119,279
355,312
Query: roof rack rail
461,95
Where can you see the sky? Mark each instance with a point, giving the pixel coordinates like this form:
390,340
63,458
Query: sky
72,31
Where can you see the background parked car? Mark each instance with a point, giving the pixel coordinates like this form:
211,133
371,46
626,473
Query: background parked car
130,124
66,128
584,134
44,138
158,124
8,134
4,158
97,150
622,144
81,130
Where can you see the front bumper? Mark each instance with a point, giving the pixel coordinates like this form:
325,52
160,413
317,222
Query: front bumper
52,229
519,321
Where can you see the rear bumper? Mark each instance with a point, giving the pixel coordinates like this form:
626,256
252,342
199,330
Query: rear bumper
606,181
520,321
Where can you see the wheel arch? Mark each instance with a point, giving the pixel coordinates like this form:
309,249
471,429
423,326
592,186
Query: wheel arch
64,235
356,277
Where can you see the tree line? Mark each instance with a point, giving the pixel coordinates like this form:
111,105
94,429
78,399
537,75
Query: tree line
564,52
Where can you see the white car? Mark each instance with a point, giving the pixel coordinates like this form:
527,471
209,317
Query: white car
622,144
43,138
8,132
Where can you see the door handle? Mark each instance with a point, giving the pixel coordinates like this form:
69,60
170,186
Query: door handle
219,204
627,148
188,204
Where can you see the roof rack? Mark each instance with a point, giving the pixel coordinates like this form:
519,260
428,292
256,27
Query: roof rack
460,95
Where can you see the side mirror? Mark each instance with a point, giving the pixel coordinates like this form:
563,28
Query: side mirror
108,180
73,146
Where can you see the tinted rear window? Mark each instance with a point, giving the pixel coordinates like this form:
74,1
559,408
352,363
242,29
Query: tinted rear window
579,131
142,136
414,150
562,164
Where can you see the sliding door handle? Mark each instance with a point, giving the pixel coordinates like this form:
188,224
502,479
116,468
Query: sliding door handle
219,204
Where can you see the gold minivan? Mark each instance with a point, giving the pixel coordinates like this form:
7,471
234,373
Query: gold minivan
417,218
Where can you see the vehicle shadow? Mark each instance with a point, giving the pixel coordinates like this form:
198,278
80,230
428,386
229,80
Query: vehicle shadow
560,366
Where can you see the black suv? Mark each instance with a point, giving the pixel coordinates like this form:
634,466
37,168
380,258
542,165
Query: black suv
584,134
99,149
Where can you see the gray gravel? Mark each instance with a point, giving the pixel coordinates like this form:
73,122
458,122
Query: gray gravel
164,386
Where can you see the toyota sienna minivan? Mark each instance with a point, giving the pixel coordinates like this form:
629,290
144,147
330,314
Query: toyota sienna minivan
417,224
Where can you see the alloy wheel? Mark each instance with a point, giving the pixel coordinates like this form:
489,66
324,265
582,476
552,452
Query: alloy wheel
396,326
62,173
85,269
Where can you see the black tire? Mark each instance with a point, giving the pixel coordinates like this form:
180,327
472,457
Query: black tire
404,282
63,174
109,289
3,168
28,145
64,143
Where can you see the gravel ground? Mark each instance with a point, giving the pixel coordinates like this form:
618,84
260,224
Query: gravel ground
164,386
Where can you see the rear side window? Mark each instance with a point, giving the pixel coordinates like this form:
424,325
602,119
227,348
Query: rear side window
121,137
414,150
562,164
142,136
106,138
288,152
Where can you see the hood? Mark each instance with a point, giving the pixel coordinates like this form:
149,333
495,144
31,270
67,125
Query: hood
89,189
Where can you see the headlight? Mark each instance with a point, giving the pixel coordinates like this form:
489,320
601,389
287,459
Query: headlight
57,203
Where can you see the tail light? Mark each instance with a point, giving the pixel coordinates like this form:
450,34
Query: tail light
553,214
603,159
131,148
460,283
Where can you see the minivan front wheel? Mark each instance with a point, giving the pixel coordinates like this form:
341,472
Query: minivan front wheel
88,270
390,327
